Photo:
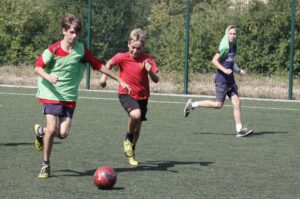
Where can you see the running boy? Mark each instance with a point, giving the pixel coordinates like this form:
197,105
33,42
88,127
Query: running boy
135,67
60,69
224,61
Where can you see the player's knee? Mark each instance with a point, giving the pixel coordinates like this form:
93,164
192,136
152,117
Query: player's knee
51,130
219,105
62,135
236,106
135,114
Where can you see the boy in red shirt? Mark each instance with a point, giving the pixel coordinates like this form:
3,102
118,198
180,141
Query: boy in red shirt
135,68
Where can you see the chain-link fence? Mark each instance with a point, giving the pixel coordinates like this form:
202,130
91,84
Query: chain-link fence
29,26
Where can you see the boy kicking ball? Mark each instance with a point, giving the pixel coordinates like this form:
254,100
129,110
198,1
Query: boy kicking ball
60,69
135,69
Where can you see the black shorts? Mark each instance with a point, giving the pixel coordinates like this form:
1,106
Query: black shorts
130,104
58,110
222,90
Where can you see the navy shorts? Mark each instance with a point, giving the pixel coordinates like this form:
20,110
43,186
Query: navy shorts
223,90
130,104
58,110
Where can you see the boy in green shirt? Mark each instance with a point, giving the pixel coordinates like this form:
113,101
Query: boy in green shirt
60,69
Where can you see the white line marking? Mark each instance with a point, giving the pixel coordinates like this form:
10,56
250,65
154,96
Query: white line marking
164,94
162,102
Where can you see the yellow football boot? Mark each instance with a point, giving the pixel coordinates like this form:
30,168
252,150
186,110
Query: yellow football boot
128,151
132,161
45,172
38,140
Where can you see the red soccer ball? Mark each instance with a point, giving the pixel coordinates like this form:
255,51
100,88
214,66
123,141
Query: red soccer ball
105,177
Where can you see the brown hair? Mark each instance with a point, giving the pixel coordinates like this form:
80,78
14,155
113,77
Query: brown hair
137,35
69,20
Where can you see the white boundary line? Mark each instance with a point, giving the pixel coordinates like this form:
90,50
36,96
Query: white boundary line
159,94
165,94
154,101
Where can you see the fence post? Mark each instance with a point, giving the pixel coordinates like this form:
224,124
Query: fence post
186,54
89,41
292,34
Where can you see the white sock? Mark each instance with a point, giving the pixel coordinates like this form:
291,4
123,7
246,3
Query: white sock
238,127
195,104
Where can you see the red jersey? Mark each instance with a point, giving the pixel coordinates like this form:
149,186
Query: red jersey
58,51
133,72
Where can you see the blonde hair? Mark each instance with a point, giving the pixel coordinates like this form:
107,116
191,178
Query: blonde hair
137,35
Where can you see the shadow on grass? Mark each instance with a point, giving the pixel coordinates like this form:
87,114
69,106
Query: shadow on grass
147,166
250,135
211,133
21,144
268,132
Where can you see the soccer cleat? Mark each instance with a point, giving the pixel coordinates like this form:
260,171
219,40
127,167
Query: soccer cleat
38,141
128,148
244,132
188,108
45,172
132,161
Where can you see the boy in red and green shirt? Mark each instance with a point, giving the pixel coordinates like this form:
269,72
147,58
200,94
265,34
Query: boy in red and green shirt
60,69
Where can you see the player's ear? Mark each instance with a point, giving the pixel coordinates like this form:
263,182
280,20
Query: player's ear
128,44
63,31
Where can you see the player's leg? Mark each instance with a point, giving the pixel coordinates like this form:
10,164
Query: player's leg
136,135
134,126
131,106
50,132
38,130
236,104
236,110
64,122
191,105
209,104
220,90
64,126
144,108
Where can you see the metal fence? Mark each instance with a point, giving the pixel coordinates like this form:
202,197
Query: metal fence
182,36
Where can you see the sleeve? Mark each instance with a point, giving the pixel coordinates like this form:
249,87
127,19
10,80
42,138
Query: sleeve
153,64
116,59
89,58
47,56
236,69
40,62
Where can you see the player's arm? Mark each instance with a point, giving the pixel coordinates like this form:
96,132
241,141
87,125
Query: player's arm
154,77
215,61
97,65
40,71
106,71
236,69
108,67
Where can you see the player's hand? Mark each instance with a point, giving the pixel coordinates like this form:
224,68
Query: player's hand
227,71
53,79
242,72
148,66
103,82
125,86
